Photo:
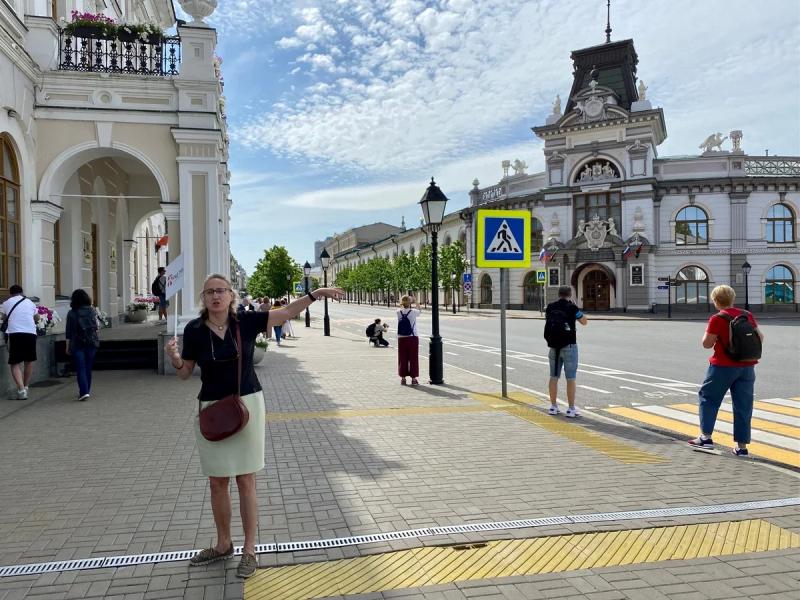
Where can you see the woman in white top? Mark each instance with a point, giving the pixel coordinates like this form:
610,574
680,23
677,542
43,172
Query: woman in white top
407,341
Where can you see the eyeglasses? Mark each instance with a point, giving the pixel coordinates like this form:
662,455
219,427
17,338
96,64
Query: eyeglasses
218,291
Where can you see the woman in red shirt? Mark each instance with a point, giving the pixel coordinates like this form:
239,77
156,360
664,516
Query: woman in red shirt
725,374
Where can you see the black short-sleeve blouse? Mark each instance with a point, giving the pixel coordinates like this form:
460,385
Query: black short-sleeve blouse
217,357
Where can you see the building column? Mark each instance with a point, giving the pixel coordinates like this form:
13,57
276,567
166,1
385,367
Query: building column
44,215
125,264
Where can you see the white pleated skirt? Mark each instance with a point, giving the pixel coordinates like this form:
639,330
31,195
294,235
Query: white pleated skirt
241,453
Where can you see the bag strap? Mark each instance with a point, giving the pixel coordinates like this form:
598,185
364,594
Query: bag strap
8,316
239,361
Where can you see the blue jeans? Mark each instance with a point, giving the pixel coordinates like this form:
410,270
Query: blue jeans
278,332
740,381
566,357
84,360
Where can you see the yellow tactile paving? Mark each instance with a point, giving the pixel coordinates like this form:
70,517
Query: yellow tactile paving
780,455
374,412
613,448
422,567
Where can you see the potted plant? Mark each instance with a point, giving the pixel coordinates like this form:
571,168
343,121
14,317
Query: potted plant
260,349
137,311
91,25
102,318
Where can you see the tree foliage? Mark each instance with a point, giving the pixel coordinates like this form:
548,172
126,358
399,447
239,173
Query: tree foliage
270,275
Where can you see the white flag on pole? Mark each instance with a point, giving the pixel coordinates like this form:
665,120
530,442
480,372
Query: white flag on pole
175,276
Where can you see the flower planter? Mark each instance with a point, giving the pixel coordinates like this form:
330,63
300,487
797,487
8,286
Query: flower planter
258,354
137,316
84,31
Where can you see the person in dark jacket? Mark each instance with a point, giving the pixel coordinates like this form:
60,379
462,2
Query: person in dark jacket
82,339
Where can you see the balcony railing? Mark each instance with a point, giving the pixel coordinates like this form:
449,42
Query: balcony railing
95,53
772,167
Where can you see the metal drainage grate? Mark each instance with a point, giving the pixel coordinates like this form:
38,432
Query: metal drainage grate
353,540
138,559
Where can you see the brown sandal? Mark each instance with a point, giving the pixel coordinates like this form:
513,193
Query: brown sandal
210,555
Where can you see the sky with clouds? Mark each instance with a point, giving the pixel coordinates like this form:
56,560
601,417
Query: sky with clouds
339,111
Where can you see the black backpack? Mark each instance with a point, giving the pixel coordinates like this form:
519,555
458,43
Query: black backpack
371,330
404,326
744,343
155,288
557,331
87,328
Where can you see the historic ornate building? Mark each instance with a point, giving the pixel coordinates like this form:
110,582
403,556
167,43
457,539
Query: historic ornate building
616,220
107,144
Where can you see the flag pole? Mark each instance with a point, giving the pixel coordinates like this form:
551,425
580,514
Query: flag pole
175,328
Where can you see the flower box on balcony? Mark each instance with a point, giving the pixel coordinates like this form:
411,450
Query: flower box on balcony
86,31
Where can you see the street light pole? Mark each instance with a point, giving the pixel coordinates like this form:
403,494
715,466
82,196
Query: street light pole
288,288
325,258
453,290
433,204
746,269
307,272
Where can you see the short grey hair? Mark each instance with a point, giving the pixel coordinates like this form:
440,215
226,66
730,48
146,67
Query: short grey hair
565,291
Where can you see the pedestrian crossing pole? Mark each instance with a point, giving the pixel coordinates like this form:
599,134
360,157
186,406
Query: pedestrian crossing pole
503,302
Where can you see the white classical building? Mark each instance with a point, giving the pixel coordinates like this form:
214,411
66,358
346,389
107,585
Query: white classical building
617,221
106,146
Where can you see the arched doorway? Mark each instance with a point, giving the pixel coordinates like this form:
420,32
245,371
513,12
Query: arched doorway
486,289
596,291
533,297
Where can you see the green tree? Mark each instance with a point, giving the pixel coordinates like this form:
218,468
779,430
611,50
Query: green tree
452,259
270,275
402,273
421,278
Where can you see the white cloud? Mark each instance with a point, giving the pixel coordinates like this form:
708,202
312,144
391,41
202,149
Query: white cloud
454,177
422,84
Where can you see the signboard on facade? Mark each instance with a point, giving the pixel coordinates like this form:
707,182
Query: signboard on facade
637,274
493,193
504,238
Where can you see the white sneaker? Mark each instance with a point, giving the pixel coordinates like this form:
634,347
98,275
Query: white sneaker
84,398
553,410
572,413
22,394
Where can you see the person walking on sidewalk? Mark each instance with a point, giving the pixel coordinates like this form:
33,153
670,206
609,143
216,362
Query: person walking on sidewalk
210,342
559,331
20,322
408,341
277,329
82,339
737,340
159,288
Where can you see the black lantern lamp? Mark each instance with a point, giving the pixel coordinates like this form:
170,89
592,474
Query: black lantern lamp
325,259
433,203
306,273
746,270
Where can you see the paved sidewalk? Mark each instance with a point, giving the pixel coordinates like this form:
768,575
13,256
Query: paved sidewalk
351,452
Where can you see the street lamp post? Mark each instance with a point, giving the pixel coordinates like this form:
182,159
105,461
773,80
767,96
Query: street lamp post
453,289
433,203
288,288
325,258
307,272
746,270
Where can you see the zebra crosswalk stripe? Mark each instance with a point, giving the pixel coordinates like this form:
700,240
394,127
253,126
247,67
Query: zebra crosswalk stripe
774,433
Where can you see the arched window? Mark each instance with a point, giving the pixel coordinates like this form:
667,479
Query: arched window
693,288
691,227
448,240
779,286
412,252
486,289
532,292
780,224
537,236
9,217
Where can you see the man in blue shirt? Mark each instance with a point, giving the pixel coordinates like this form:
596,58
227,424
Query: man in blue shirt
559,331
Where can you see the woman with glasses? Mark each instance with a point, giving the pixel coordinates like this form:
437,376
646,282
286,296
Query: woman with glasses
210,342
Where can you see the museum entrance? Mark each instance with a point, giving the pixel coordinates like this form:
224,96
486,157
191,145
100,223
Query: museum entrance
596,291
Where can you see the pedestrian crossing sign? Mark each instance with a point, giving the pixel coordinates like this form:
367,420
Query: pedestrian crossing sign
504,238
541,276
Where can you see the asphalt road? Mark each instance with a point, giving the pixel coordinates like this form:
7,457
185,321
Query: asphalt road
622,363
